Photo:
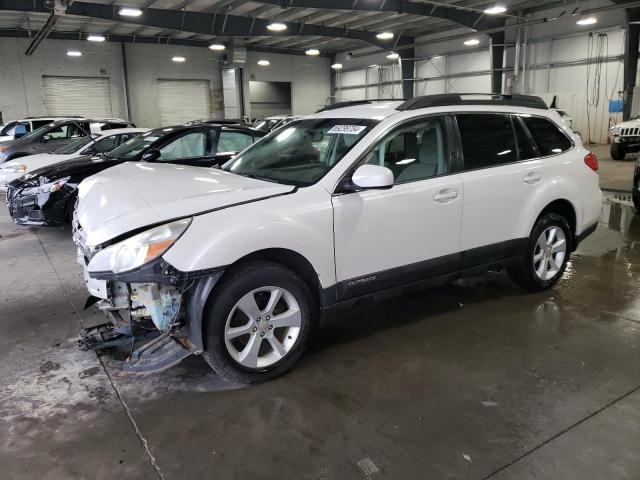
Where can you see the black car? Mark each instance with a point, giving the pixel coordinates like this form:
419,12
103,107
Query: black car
56,134
636,186
46,196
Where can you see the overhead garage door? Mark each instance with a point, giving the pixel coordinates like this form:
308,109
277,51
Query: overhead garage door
183,100
88,96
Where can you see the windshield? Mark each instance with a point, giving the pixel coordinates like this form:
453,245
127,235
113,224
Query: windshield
302,152
134,147
76,145
38,132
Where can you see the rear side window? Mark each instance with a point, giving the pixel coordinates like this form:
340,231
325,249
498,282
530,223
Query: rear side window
487,140
547,135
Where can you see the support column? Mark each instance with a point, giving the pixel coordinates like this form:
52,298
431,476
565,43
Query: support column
407,58
332,80
497,60
630,58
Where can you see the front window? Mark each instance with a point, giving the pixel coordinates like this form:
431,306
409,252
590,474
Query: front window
231,141
191,145
134,147
302,152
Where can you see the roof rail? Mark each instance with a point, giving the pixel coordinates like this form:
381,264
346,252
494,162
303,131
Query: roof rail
347,103
529,101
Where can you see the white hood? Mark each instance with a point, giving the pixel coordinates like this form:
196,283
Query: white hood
629,124
37,161
133,195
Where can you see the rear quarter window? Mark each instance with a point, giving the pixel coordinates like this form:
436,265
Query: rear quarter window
547,135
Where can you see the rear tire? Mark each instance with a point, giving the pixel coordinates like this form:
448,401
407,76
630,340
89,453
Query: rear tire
617,151
546,256
258,323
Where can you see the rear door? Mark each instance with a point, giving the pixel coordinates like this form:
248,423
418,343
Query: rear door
500,173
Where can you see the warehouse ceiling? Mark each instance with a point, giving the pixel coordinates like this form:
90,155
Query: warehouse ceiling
310,22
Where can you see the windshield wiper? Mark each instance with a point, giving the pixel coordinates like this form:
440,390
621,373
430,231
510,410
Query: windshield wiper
258,177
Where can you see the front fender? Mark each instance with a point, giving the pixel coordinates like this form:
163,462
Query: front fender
302,223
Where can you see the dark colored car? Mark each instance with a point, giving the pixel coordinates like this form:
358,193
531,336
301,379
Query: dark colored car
636,185
46,196
56,134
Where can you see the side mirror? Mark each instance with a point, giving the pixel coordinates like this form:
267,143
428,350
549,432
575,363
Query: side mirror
151,155
372,177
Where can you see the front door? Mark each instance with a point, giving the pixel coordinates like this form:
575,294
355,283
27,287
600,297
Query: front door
385,238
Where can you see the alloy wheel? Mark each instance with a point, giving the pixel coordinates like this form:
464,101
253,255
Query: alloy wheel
549,253
262,327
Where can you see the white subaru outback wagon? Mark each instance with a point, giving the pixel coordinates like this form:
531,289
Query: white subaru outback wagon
240,263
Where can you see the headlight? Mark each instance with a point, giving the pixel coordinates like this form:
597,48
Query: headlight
14,168
139,249
48,187
615,130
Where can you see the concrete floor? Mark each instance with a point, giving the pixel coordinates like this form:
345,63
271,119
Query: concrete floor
614,174
476,380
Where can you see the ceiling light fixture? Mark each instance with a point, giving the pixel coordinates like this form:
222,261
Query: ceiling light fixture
384,36
587,21
74,53
393,56
276,27
337,66
96,38
495,10
178,59
264,63
472,42
217,47
130,12
313,52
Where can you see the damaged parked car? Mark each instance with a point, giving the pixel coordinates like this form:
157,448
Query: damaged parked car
239,264
94,144
46,196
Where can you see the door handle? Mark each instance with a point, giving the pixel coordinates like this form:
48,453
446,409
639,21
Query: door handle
446,195
532,178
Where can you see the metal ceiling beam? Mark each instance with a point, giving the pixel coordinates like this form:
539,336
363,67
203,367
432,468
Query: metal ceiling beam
457,14
54,15
198,22
55,35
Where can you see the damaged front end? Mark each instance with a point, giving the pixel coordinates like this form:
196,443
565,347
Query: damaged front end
154,311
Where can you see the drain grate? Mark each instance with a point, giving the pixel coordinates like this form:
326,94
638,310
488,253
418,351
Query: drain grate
618,196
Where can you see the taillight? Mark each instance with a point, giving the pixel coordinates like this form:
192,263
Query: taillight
591,161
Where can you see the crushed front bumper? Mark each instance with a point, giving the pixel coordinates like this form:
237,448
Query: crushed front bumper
155,311
43,209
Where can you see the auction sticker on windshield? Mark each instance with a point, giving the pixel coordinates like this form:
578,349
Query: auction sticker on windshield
347,129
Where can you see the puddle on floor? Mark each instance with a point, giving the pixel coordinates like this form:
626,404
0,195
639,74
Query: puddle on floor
618,229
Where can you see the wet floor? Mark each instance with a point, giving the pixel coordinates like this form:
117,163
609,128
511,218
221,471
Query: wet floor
478,379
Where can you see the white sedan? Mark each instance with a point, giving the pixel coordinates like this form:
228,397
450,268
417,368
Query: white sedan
98,143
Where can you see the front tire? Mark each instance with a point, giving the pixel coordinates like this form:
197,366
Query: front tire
546,256
617,151
258,323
